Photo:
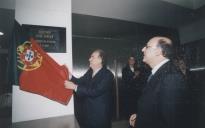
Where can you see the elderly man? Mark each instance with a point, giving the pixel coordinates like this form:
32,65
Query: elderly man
163,103
95,87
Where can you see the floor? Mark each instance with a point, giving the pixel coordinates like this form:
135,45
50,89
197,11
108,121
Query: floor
54,122
61,122
120,124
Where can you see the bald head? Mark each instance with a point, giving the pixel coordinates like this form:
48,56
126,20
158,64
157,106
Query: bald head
157,49
163,39
166,46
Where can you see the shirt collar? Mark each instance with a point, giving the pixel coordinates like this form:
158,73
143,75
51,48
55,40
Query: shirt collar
96,71
154,70
132,68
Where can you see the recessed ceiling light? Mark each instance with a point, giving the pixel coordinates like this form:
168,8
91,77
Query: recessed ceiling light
1,33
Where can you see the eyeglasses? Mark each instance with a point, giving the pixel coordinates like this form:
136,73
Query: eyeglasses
148,47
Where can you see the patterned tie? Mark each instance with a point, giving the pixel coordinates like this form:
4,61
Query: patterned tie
149,78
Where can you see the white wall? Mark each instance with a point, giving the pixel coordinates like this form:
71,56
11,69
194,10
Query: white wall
28,106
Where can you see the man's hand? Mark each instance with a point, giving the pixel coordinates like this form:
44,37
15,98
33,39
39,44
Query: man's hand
70,85
132,120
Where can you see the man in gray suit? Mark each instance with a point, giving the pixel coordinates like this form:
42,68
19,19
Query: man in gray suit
163,103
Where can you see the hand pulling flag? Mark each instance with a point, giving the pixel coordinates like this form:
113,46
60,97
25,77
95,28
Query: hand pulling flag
41,74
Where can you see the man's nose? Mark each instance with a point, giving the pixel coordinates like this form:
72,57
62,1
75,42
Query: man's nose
89,59
143,49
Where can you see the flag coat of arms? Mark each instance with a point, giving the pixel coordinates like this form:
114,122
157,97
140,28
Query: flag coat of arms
41,74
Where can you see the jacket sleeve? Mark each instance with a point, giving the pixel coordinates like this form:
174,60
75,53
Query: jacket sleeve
81,80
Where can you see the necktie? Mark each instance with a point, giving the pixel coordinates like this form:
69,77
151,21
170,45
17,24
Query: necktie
149,78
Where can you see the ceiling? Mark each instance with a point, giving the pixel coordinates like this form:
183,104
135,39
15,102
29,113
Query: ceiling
7,4
166,13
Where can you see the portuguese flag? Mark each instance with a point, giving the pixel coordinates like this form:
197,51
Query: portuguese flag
41,74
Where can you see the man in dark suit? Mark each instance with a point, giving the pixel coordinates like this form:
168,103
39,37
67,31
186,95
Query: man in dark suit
95,87
164,102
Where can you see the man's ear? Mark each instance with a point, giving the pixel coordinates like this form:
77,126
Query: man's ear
159,52
101,61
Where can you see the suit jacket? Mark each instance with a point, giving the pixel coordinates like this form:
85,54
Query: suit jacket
135,84
127,77
96,95
164,102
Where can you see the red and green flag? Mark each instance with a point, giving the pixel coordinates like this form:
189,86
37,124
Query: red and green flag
41,74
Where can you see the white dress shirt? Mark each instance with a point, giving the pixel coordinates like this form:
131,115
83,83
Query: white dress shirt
154,70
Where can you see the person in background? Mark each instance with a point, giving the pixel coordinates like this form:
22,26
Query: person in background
179,61
164,102
95,87
133,79
129,73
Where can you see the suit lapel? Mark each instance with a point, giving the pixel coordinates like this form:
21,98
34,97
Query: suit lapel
156,77
97,76
162,70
